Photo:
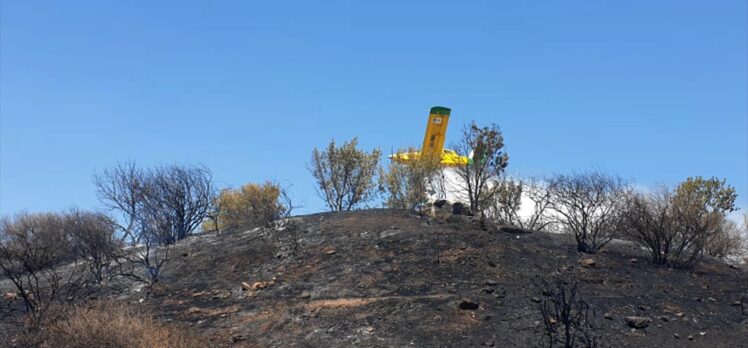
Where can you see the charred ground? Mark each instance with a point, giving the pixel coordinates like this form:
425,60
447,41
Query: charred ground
382,278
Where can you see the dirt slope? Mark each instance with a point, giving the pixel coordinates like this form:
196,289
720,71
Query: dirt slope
390,279
382,278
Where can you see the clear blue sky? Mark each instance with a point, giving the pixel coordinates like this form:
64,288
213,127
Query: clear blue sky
653,91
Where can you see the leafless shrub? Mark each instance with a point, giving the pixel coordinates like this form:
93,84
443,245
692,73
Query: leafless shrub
146,260
109,324
478,177
565,315
648,220
728,242
174,199
345,174
156,207
407,185
286,227
122,190
179,198
512,194
678,227
588,205
36,256
93,241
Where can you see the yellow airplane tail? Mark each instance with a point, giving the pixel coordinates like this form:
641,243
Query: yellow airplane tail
436,131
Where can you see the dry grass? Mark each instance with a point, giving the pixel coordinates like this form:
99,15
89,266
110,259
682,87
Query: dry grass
112,325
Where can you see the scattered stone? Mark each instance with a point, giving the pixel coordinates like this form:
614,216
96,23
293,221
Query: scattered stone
737,303
328,250
220,295
690,337
185,254
608,316
702,333
637,322
491,282
711,299
535,299
262,285
238,338
305,294
676,335
10,296
246,286
644,308
488,290
680,314
665,318
587,262
469,305
634,260
389,233
489,343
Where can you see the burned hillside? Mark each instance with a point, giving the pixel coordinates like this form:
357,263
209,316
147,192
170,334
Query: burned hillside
380,278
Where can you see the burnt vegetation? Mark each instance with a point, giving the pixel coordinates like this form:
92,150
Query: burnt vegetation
236,265
568,320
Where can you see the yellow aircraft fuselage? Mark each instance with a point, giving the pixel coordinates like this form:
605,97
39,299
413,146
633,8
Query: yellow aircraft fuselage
433,141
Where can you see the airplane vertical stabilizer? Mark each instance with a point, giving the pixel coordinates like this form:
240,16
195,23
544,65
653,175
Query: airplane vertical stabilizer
436,131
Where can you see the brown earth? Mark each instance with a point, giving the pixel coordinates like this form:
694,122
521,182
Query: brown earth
381,278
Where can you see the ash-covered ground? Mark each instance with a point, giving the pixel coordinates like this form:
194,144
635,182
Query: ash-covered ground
383,278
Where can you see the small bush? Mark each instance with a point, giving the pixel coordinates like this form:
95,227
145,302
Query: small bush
588,205
252,205
679,226
506,203
512,194
345,174
110,324
567,318
33,247
408,185
728,242
93,241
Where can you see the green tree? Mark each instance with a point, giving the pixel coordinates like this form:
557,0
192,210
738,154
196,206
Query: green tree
252,205
679,226
479,177
345,174
409,184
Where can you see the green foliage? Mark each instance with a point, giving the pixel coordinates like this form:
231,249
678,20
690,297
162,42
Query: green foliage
345,174
489,161
252,205
504,208
679,226
408,185
706,196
